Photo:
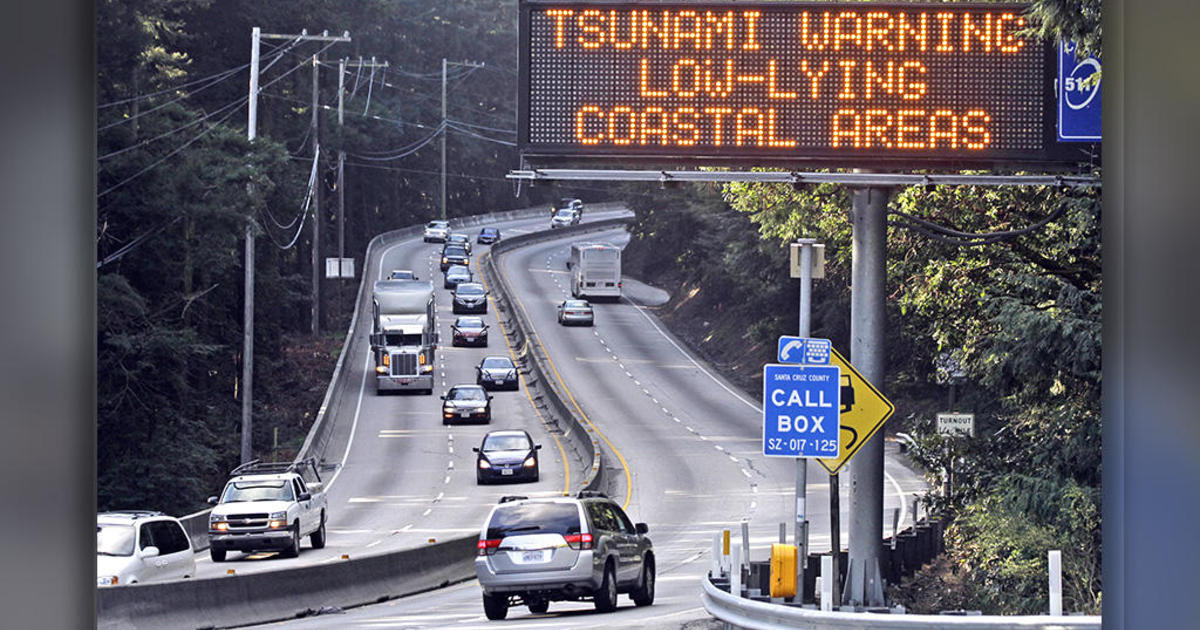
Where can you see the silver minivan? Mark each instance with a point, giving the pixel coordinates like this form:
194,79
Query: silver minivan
141,546
534,551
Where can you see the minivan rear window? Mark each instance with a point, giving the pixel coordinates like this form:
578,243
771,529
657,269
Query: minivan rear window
533,518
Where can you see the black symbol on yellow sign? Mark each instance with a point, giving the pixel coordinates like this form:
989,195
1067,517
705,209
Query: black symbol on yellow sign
863,412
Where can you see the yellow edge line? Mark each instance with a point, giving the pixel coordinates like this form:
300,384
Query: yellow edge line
624,464
562,453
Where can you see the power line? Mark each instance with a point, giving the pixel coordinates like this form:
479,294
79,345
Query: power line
219,79
405,151
467,124
481,137
312,182
172,89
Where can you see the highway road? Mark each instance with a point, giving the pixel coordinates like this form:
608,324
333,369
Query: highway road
683,447
406,478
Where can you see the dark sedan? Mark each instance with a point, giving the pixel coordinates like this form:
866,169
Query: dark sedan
506,455
466,403
487,236
455,255
469,297
469,331
456,275
497,373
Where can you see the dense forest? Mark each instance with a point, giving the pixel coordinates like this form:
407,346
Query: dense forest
178,182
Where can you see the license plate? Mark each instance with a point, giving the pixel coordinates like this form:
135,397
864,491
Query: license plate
529,557
506,471
464,414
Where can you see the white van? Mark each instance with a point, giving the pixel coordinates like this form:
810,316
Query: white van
141,546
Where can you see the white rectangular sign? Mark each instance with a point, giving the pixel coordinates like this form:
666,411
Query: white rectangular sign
339,267
956,424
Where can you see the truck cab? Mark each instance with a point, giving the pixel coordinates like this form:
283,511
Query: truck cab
404,335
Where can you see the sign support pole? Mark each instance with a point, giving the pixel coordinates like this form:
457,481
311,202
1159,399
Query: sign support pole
867,350
806,264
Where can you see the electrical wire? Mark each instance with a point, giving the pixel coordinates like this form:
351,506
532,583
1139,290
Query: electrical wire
303,216
122,121
481,137
473,126
405,151
959,238
172,89
120,253
370,85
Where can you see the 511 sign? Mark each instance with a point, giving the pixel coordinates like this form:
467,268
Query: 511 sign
829,82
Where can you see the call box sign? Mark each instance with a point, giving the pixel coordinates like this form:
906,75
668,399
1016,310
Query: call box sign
829,82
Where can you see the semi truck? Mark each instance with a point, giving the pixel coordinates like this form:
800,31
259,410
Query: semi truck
403,335
595,270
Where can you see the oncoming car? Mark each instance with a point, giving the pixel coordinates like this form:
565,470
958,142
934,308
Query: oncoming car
454,254
498,372
469,297
436,231
534,551
508,455
467,403
564,218
469,331
402,274
458,238
455,275
133,547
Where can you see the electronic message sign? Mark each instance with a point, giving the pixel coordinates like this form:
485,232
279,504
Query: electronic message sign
830,82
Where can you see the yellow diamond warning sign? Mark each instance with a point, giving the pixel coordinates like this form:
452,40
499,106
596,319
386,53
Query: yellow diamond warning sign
863,411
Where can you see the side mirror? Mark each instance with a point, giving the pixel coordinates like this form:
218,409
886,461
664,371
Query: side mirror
642,528
149,552
474,449
316,486
537,447
442,397
212,500
306,496
489,397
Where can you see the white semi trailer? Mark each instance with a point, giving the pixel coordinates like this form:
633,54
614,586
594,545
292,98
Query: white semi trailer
404,335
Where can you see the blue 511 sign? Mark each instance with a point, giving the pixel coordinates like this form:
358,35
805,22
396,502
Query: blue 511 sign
1078,98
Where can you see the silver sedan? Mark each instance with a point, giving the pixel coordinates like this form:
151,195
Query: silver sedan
575,312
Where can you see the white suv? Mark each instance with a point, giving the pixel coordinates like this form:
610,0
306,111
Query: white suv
141,546
437,231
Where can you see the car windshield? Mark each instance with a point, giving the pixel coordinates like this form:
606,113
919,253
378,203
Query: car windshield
575,304
114,540
401,274
402,339
466,393
533,518
469,289
564,214
489,231
455,250
434,225
497,363
457,238
469,322
506,443
279,490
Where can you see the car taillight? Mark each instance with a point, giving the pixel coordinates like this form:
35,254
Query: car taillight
579,541
487,547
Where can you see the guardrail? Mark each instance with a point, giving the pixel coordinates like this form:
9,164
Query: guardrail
747,613
582,437
239,600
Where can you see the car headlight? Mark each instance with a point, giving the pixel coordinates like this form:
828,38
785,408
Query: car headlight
530,462
220,526
427,369
106,580
483,463
445,260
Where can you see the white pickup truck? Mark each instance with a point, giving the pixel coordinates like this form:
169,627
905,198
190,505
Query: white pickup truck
268,506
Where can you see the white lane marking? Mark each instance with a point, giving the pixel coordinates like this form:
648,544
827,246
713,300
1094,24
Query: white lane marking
664,410
426,512
718,447
447,480
450,464
747,473
406,527
693,361
733,459
373,544
677,419
439,497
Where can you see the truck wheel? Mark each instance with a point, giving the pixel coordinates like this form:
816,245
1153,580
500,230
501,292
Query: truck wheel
293,549
495,606
318,537
644,594
606,596
218,555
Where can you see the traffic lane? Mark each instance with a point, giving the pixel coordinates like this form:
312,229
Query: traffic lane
662,362
373,509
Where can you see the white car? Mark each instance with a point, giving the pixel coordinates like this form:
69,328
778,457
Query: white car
141,546
437,231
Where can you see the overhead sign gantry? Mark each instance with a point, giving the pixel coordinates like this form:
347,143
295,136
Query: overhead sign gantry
830,83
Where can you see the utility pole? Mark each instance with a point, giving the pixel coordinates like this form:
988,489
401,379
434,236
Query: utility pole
247,384
868,350
445,65
316,229
806,277
341,182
